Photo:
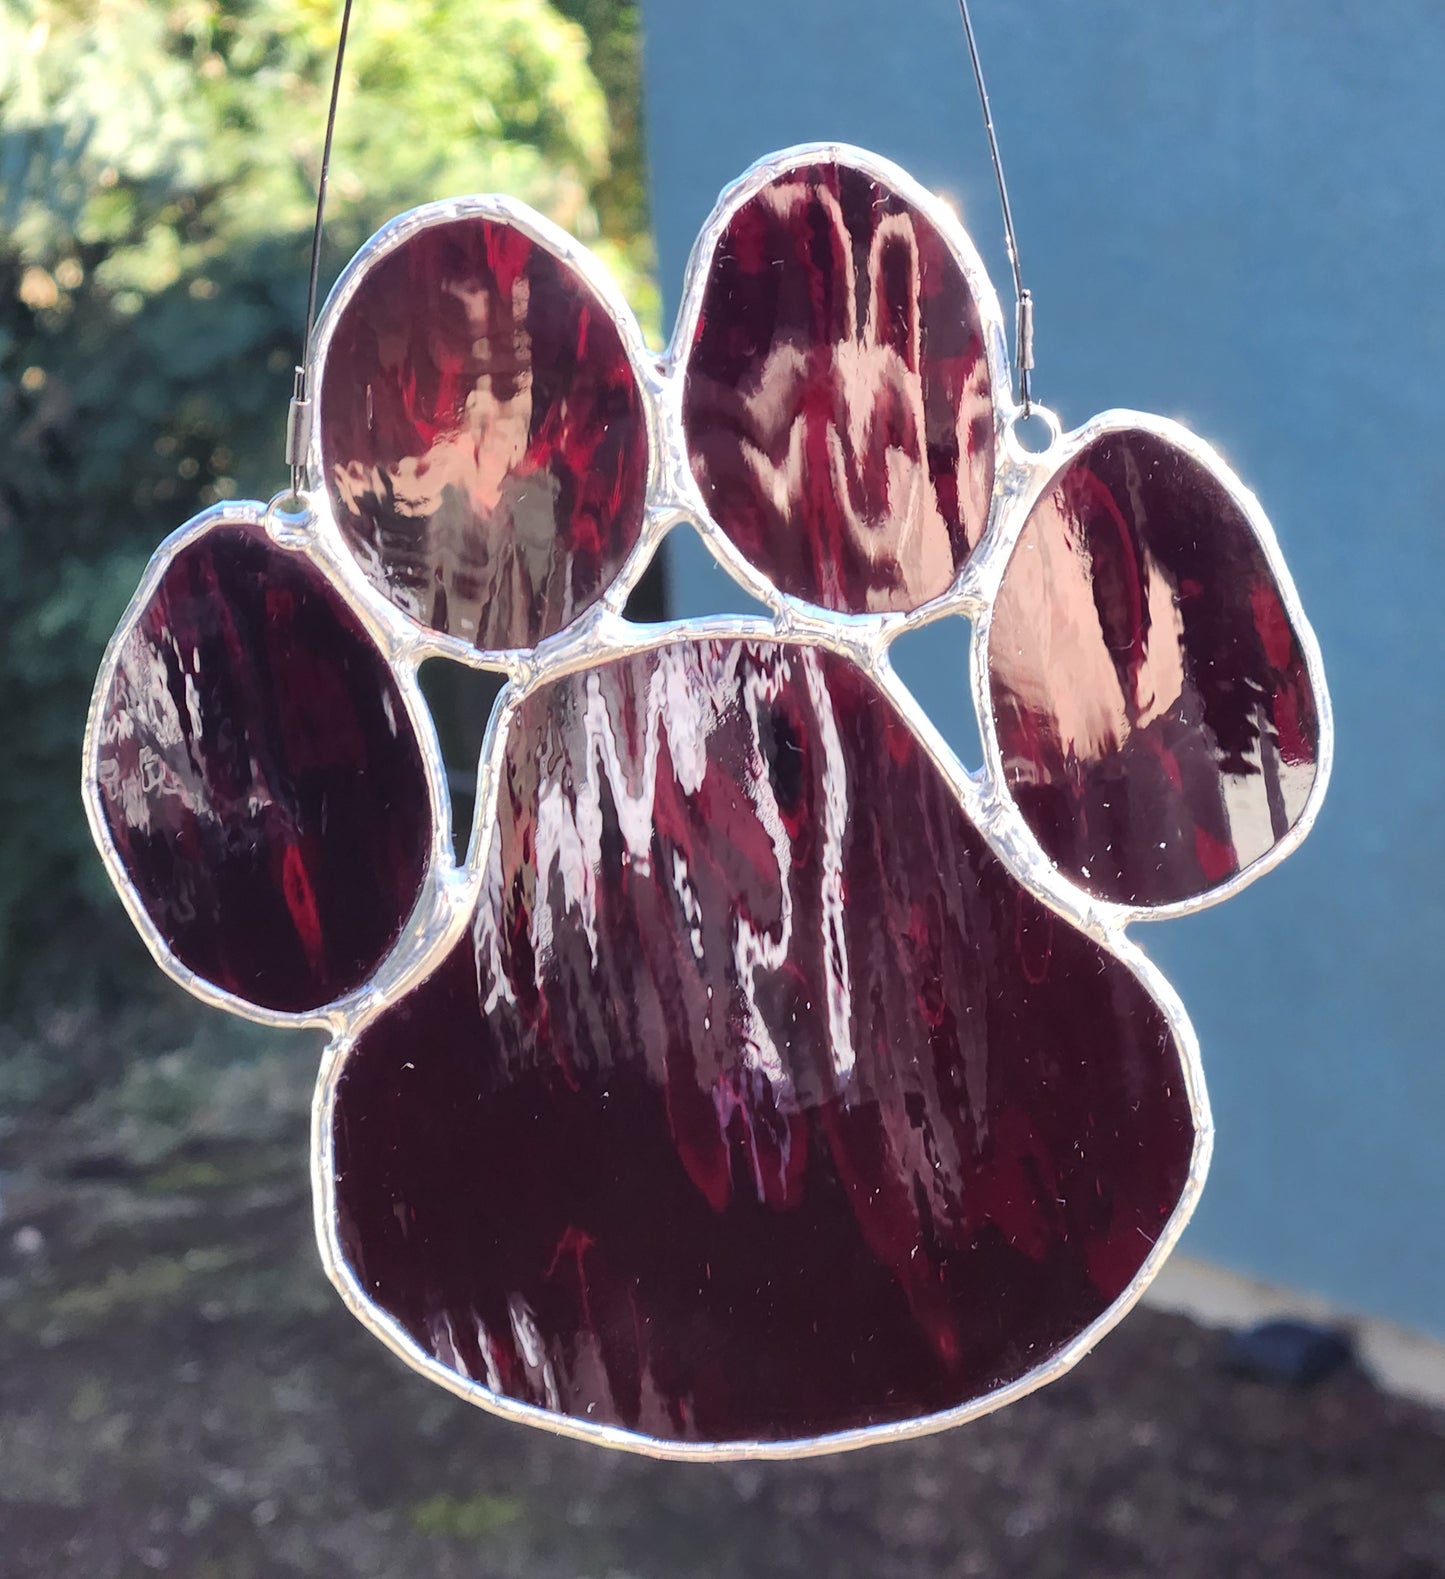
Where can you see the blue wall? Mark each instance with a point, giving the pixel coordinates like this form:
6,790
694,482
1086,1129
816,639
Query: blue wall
1232,212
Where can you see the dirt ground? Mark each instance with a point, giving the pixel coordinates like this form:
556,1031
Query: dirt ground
182,1393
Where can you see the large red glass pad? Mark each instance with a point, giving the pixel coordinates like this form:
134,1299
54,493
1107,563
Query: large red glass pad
758,1100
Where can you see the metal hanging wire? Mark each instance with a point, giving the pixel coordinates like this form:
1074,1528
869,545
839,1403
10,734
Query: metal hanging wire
298,417
1023,297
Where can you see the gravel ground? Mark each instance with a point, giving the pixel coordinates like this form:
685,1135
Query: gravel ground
181,1393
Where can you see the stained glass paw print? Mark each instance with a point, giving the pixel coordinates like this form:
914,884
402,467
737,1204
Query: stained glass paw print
762,1082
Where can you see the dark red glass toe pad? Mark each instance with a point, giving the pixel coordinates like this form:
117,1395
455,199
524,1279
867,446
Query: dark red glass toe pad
259,776
1154,711
758,1102
837,396
482,434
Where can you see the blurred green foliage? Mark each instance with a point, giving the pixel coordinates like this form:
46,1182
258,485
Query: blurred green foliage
158,161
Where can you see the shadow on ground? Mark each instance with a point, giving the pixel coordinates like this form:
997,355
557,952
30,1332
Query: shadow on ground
182,1393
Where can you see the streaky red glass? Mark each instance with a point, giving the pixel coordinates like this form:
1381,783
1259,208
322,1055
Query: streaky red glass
758,1101
1154,711
259,775
482,435
837,397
